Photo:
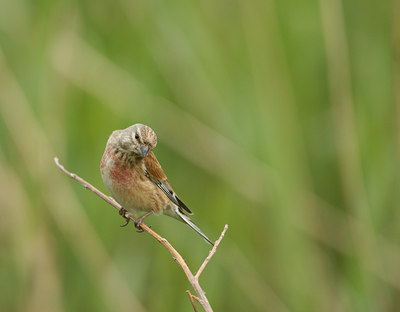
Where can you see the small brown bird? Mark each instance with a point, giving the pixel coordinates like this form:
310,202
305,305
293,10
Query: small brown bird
134,177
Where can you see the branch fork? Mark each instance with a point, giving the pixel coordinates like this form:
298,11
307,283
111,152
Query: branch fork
193,279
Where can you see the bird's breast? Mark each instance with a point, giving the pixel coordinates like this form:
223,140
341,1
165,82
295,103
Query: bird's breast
119,172
129,185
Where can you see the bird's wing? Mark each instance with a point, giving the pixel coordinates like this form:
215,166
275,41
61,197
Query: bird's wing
155,173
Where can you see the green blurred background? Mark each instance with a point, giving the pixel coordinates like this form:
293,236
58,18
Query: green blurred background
279,118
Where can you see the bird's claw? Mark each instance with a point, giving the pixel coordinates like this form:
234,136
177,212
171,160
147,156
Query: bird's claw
126,223
139,221
123,212
140,230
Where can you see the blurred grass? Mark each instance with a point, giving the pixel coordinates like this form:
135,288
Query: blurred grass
278,118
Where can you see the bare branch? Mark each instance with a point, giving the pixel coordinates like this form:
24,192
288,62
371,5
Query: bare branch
191,300
212,252
88,186
193,280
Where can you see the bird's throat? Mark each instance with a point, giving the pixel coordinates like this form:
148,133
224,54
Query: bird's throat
127,159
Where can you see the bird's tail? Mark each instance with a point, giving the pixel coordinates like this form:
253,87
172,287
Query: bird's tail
189,222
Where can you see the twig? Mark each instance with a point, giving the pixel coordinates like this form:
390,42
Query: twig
212,252
191,300
193,280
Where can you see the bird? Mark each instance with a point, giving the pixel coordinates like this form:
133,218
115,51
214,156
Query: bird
135,179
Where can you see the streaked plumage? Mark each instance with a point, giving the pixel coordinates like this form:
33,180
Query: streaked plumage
134,177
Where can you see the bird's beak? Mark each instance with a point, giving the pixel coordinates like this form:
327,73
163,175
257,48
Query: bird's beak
144,149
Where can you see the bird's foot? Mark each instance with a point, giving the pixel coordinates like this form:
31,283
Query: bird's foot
139,221
124,213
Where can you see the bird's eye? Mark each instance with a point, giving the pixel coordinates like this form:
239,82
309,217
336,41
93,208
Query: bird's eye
137,136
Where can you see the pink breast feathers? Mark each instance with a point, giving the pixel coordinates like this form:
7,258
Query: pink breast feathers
122,174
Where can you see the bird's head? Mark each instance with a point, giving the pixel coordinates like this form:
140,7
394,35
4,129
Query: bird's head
137,140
